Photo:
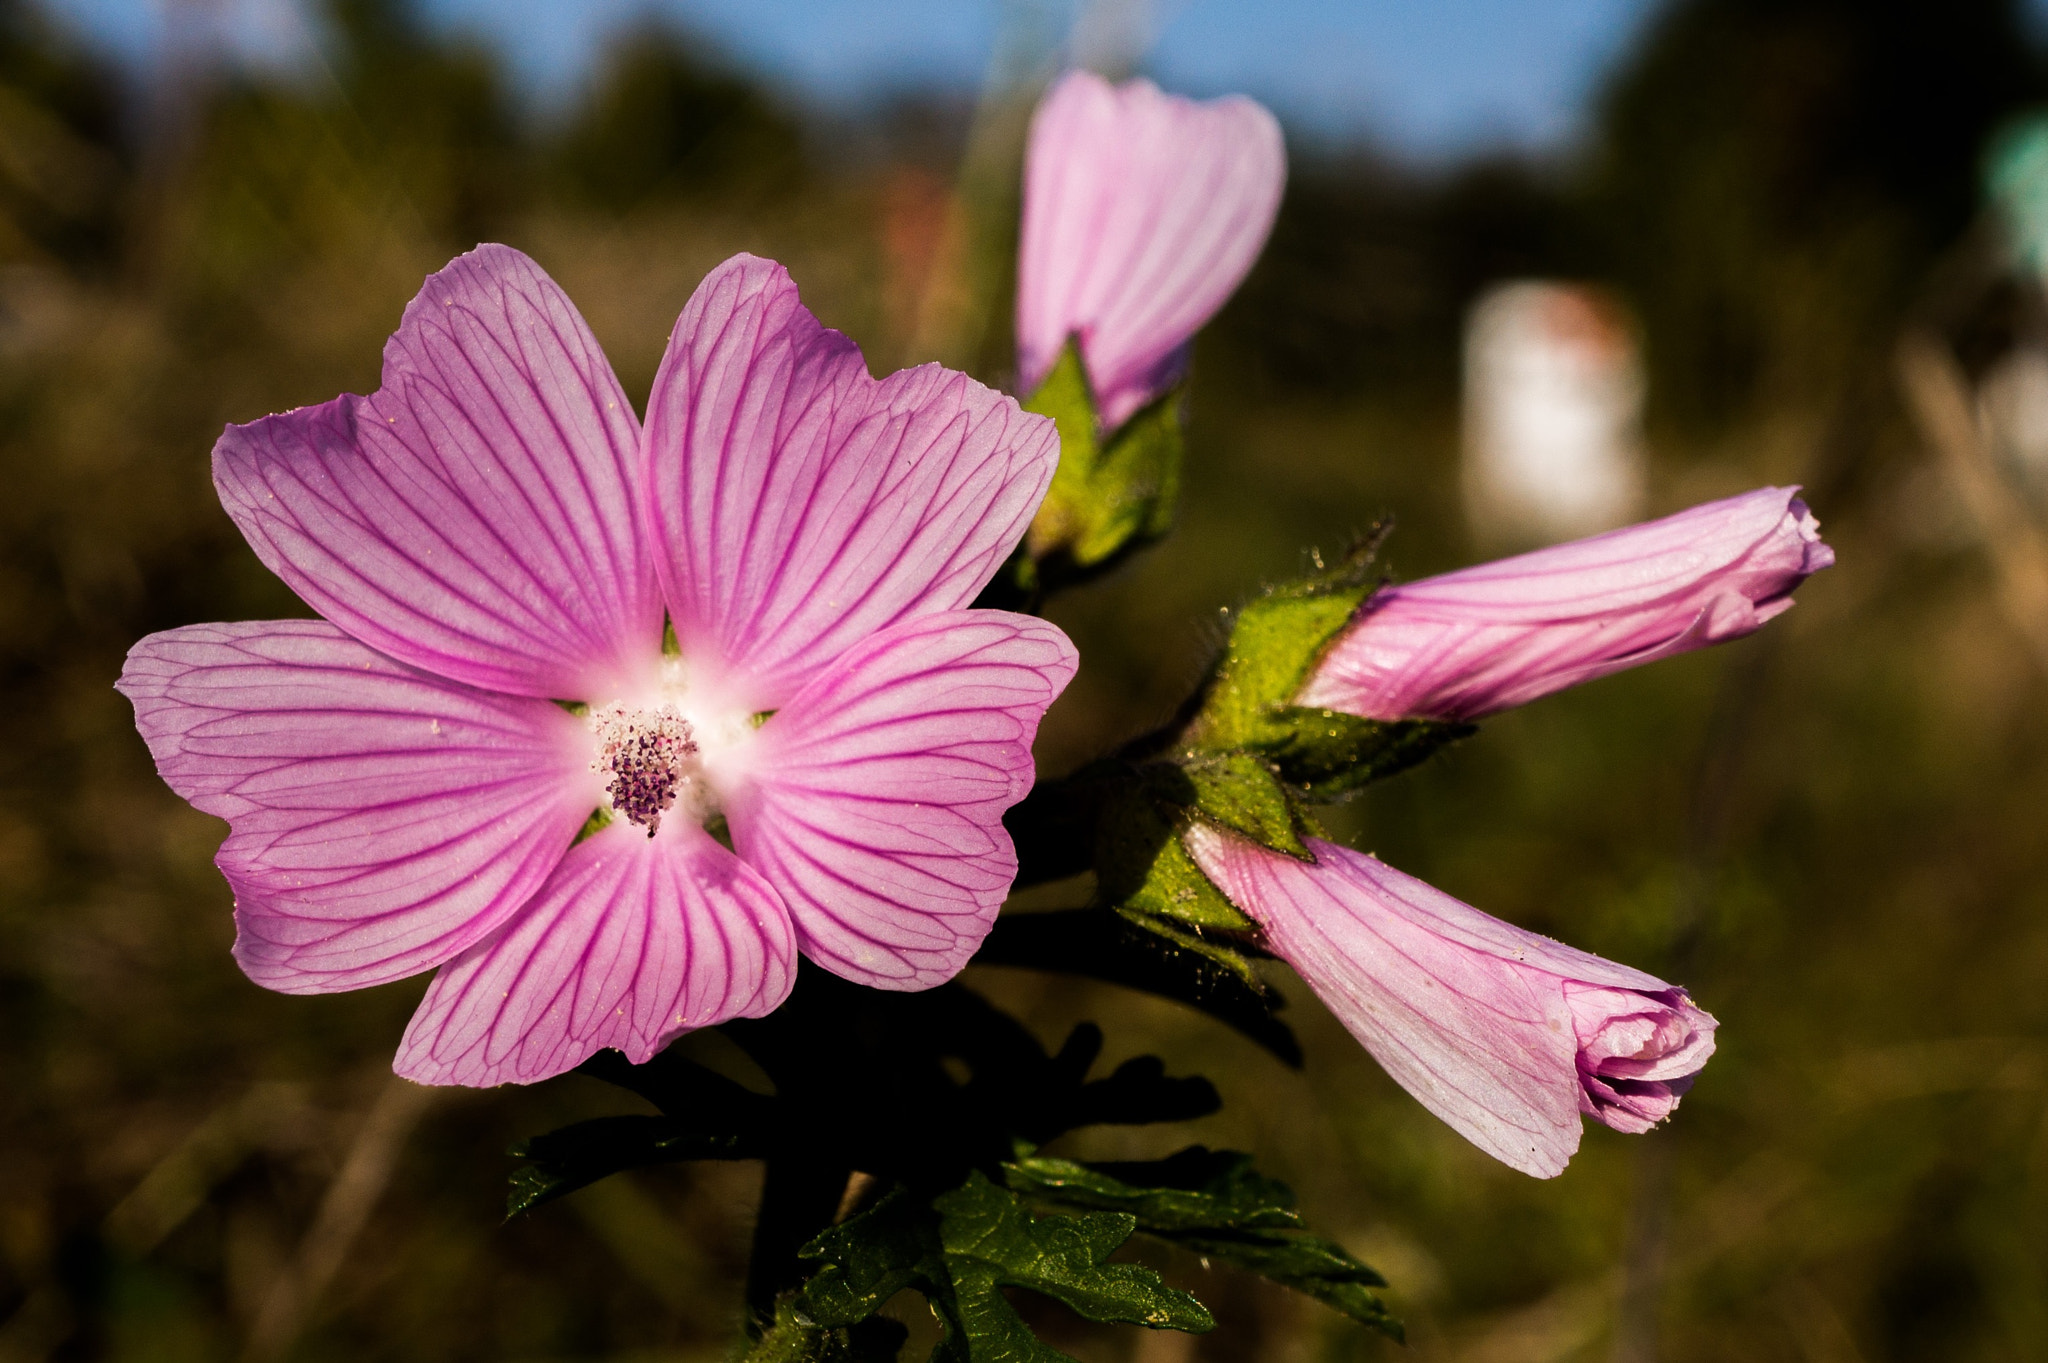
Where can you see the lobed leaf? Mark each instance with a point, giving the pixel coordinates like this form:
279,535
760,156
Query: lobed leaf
1214,1204
962,1248
1112,948
871,1257
578,1155
705,1116
991,1241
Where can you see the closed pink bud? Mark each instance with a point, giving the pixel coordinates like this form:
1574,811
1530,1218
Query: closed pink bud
1506,1035
1501,634
1142,213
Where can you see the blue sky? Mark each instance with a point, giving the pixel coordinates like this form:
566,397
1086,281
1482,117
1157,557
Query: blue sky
1430,78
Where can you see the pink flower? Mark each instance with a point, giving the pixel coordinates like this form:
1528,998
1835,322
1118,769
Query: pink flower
1482,639
1505,1035
491,533
1142,213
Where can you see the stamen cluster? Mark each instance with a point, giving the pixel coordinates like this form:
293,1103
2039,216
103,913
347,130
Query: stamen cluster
647,754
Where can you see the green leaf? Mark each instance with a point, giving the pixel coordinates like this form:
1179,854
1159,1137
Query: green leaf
871,1257
578,1155
990,1242
963,1247
1136,1093
705,1116
1197,1190
1110,947
1214,1204
1108,496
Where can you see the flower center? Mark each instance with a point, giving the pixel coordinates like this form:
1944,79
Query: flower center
649,760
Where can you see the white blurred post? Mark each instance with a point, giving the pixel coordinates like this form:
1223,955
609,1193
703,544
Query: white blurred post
1553,414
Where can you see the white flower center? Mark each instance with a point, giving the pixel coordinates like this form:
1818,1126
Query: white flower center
650,762
674,747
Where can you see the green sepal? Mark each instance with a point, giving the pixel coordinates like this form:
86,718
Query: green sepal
1327,756
1110,494
1143,871
1247,704
1275,642
962,1248
1213,1203
1239,792
599,820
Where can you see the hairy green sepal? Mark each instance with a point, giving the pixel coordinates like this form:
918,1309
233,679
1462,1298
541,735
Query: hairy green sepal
1245,759
1275,643
1111,493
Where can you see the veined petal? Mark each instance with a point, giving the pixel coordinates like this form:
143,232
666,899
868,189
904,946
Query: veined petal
801,505
382,819
1142,213
1504,1034
474,516
1488,1049
876,806
634,941
1479,640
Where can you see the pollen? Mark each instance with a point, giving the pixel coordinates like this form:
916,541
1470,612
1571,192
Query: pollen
648,757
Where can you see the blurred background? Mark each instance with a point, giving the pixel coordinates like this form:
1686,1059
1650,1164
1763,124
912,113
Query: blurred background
1725,215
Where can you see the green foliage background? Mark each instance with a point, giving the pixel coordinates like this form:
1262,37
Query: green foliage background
1834,833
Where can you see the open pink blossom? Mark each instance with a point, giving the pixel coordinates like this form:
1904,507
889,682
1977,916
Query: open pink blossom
1506,1035
1142,213
1501,634
492,536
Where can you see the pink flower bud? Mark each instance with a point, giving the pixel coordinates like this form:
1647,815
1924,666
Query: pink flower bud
1142,213
1485,638
1506,1035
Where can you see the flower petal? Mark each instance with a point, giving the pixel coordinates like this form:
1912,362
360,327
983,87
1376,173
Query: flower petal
474,516
1142,213
1482,639
634,941
1485,1045
801,505
876,806
382,819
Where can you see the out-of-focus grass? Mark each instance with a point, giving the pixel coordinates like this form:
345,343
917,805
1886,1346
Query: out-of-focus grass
1832,833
